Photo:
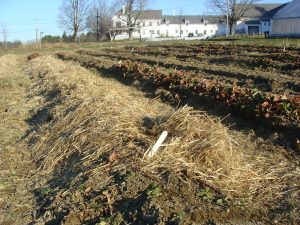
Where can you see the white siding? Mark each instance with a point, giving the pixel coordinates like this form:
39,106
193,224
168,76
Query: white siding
286,27
266,26
155,29
241,27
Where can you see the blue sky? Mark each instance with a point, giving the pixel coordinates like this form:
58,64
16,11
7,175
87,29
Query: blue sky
21,17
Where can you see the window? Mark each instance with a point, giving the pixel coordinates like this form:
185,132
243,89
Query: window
176,31
150,23
196,32
167,32
158,33
186,31
204,32
211,31
152,32
144,32
181,32
144,24
118,24
157,23
267,23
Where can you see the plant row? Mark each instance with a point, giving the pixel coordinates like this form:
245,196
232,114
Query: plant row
282,110
262,81
277,109
283,62
221,49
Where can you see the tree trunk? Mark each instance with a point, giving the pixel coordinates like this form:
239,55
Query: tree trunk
231,28
75,34
130,32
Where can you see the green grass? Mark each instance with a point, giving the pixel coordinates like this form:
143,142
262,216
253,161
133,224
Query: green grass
259,41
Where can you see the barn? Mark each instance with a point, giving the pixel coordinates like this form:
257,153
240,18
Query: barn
286,22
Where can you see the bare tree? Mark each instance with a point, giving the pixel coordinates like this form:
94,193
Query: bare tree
132,12
72,16
100,18
236,10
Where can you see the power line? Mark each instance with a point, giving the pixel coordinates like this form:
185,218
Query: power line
29,24
20,31
26,21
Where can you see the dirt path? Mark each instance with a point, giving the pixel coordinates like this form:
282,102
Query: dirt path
16,201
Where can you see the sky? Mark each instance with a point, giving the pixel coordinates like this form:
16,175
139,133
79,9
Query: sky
22,17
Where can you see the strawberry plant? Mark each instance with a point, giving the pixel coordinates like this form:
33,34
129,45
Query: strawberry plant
277,109
249,102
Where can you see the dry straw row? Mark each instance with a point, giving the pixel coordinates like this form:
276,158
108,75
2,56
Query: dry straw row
93,117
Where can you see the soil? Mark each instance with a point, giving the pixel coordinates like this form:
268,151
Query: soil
16,200
104,61
120,191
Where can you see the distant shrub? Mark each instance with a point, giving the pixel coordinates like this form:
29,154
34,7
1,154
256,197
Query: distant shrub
33,56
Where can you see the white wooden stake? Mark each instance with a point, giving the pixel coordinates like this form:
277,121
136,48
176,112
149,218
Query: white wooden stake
158,143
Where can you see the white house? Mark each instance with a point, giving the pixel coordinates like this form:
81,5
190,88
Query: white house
256,20
153,24
286,22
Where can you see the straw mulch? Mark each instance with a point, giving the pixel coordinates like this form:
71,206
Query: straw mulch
90,119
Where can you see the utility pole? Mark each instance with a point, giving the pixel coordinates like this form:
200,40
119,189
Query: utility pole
37,33
180,21
41,33
140,33
4,32
98,34
37,36
5,39
227,19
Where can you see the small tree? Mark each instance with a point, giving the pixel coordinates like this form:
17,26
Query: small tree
64,37
72,16
51,39
131,13
100,17
235,8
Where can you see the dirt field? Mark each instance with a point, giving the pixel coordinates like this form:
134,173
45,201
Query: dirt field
16,198
74,137
259,85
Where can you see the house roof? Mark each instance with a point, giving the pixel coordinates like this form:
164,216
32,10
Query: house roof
151,14
191,19
290,10
252,22
263,11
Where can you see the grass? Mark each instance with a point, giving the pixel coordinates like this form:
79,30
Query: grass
51,48
153,190
260,40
